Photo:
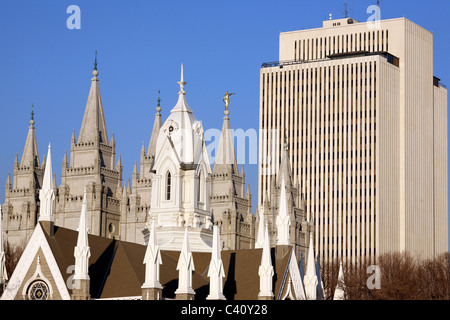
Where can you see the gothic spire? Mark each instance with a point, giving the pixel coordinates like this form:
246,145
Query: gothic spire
47,193
283,219
266,269
182,104
311,280
156,127
152,261
339,292
30,156
3,274
260,236
82,250
93,127
185,268
226,155
215,271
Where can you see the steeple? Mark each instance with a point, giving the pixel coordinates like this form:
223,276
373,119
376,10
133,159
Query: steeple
156,127
215,271
3,274
266,270
285,167
339,292
30,156
93,127
226,155
181,104
152,260
311,280
47,195
185,268
260,236
82,254
283,220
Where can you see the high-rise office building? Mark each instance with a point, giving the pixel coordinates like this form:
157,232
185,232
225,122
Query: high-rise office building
366,124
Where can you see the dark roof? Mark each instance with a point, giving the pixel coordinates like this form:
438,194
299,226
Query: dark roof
117,270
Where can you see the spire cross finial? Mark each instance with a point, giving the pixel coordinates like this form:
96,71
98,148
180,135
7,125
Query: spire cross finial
32,114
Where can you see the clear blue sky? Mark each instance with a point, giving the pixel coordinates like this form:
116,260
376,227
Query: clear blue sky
141,45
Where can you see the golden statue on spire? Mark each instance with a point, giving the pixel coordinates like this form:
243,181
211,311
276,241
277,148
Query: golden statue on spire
226,99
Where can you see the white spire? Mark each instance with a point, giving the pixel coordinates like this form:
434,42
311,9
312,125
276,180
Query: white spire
3,273
266,269
339,292
82,250
215,271
181,104
260,237
283,220
152,261
311,280
47,193
185,268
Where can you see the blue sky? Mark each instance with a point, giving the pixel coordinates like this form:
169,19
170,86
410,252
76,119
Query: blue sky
141,45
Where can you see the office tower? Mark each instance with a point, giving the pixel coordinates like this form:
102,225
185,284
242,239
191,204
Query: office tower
366,124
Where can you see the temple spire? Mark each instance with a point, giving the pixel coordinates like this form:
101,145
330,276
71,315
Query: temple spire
82,250
283,219
226,154
215,271
185,268
93,127
311,280
266,272
152,261
181,103
339,292
260,236
3,273
47,192
30,156
157,124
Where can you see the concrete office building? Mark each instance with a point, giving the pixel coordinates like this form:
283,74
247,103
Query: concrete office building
366,124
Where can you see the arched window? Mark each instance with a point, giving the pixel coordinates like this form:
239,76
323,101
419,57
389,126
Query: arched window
168,185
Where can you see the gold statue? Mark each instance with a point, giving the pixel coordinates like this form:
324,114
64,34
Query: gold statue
226,99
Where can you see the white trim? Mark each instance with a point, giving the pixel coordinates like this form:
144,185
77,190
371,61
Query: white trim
37,241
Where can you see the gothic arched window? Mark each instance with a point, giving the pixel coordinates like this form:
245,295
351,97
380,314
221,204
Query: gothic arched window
168,185
38,291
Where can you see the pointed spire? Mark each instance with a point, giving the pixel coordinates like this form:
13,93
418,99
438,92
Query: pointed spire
43,162
260,237
320,293
285,167
82,250
185,268
152,261
113,140
181,105
266,269
339,292
65,161
226,154
3,273
47,193
93,127
135,170
248,195
119,163
8,182
143,151
311,280
73,140
216,272
157,124
30,156
283,219
16,161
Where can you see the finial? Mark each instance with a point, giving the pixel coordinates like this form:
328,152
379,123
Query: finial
32,115
182,82
95,72
158,108
331,16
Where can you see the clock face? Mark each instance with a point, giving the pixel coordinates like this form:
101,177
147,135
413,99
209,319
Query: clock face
38,291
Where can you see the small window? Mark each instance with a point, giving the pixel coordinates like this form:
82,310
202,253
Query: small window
38,291
168,185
